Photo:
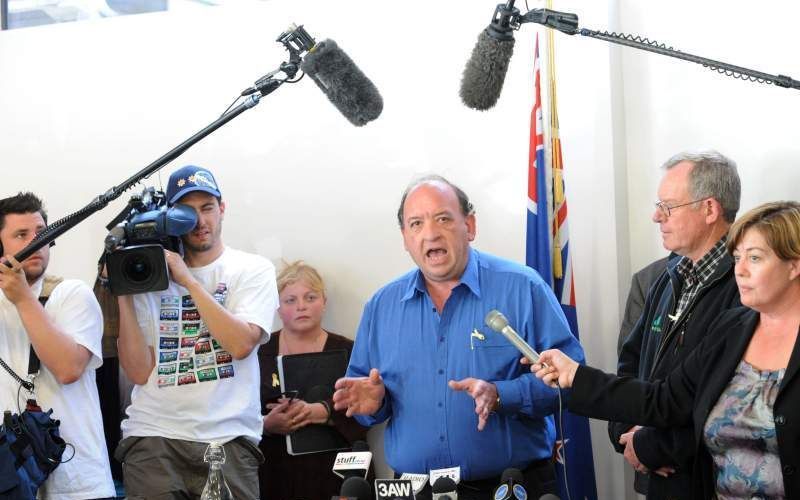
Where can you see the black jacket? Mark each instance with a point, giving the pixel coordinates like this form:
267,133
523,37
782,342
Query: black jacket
689,393
655,346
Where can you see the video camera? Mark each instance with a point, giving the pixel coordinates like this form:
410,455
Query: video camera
134,247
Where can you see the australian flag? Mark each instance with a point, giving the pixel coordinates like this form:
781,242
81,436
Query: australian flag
547,251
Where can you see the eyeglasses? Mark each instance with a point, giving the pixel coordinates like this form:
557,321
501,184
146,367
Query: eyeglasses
667,210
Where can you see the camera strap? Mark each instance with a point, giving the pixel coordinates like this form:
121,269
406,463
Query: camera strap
34,365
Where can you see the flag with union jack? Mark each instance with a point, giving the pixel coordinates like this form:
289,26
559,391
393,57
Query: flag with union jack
547,251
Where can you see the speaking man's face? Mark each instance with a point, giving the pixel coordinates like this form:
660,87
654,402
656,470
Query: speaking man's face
436,233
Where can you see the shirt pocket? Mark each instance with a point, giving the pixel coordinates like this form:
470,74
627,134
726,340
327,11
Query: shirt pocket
493,357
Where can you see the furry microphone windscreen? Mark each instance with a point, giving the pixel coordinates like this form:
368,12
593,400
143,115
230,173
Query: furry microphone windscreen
485,71
353,94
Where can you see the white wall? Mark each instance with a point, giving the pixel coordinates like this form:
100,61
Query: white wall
85,105
672,105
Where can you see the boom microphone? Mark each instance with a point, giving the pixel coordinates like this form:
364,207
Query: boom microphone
486,69
346,86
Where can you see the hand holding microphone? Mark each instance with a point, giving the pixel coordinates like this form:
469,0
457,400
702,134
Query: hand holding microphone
555,368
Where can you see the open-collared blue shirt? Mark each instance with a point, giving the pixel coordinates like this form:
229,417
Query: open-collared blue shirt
417,350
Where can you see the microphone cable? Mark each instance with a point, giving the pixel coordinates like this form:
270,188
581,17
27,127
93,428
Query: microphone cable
560,430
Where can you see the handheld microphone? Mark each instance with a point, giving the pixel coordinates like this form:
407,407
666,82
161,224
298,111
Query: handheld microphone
511,487
497,322
346,86
356,488
353,463
486,68
444,488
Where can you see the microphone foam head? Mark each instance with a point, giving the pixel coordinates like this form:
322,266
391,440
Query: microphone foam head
496,321
353,94
356,487
443,485
360,446
485,71
513,474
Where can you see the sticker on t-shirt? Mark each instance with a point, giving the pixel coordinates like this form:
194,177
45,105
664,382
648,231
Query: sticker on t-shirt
167,356
169,315
187,353
167,369
202,346
206,374
191,329
168,328
186,366
202,360
169,301
188,342
190,315
168,343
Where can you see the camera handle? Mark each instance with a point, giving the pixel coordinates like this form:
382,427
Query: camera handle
61,226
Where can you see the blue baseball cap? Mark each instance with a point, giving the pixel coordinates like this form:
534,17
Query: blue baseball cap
190,178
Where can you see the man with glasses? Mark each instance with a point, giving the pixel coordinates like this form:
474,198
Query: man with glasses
698,198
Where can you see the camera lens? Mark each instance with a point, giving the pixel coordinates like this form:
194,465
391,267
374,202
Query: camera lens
137,268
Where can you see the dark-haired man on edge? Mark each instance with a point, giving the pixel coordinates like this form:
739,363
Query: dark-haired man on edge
61,322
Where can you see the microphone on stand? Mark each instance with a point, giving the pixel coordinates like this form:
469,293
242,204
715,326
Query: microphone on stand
353,463
444,488
511,486
355,488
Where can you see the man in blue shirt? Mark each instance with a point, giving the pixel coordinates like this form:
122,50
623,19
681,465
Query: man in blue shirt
453,391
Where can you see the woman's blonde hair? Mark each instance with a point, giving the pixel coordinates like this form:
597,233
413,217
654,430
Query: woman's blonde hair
779,224
300,271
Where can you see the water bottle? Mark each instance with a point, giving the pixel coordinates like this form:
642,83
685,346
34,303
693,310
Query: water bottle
216,488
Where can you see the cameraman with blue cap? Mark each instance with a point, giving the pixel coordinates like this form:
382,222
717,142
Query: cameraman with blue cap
191,351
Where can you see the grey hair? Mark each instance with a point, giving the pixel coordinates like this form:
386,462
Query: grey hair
463,200
714,176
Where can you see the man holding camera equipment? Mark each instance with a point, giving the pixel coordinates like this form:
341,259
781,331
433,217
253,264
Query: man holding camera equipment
60,321
191,351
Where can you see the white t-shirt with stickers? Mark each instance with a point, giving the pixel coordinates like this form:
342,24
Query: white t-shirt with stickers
197,391
74,309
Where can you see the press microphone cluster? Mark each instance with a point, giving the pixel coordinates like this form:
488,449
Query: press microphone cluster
486,68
